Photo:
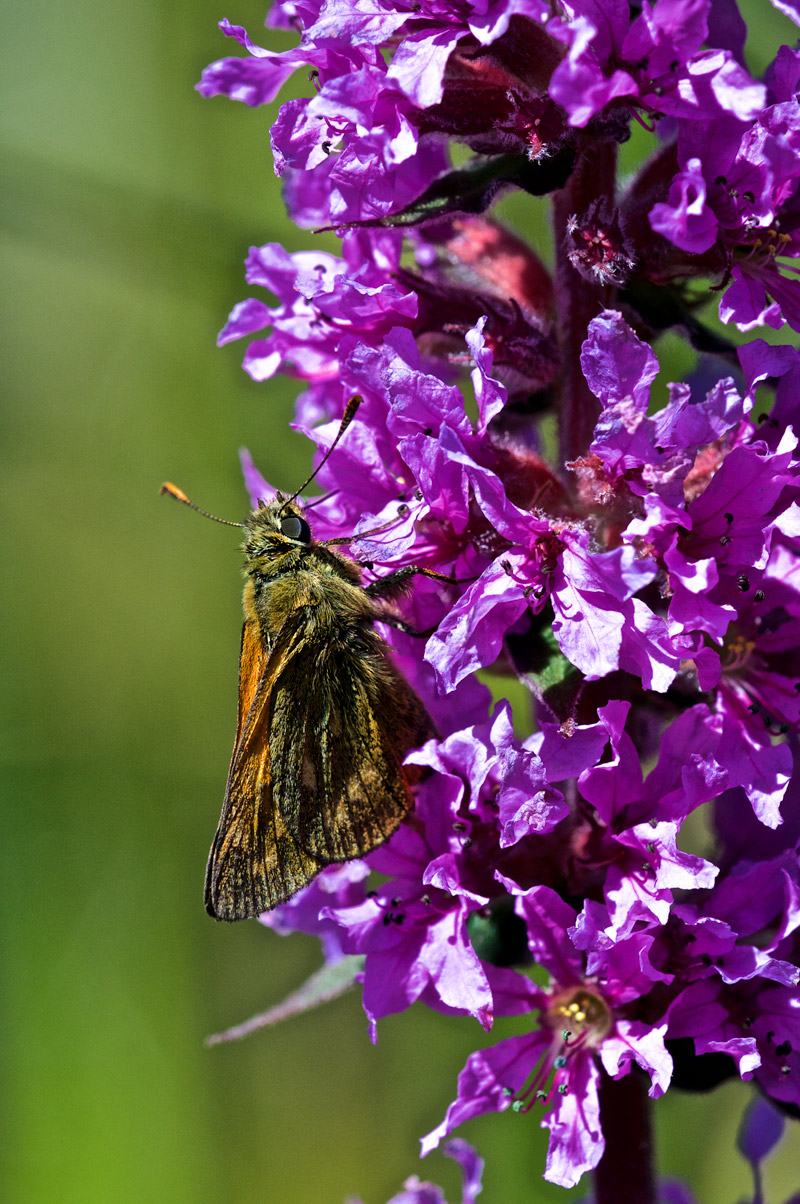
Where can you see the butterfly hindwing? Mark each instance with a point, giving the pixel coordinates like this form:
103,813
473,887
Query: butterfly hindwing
342,718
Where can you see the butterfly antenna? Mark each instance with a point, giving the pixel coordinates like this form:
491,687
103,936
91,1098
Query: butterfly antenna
316,501
180,496
347,418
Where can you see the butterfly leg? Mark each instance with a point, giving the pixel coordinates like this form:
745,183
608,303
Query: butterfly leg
392,620
396,583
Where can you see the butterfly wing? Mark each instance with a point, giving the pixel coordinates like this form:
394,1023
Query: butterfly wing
342,720
255,862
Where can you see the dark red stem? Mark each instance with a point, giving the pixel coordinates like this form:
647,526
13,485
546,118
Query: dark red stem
625,1172
578,300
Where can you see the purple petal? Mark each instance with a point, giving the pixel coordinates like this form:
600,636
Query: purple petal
488,1082
490,394
641,1043
619,369
548,919
471,1168
471,635
745,303
686,219
419,63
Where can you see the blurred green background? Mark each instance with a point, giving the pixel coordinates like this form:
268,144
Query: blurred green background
128,206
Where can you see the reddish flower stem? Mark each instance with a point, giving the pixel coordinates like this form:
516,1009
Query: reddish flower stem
625,1172
578,300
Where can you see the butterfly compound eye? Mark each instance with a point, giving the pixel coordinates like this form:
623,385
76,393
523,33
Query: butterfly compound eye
294,527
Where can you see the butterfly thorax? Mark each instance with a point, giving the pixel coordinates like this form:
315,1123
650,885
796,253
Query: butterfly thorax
285,574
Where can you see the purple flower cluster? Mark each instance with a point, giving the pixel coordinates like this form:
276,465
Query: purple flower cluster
629,550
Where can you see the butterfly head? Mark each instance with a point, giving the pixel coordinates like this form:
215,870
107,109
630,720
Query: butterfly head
276,527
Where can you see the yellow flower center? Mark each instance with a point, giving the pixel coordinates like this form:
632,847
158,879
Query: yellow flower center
580,1012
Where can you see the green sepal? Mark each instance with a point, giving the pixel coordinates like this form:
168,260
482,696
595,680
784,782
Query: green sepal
541,665
498,935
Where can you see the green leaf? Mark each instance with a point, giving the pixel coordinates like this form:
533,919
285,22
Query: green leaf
327,983
667,308
473,188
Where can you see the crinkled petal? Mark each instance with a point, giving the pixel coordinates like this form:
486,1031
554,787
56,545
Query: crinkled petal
576,1137
471,635
634,1041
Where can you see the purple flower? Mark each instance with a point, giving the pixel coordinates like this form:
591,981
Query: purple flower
557,1066
414,939
361,133
655,62
754,1025
736,191
321,303
332,311
439,869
